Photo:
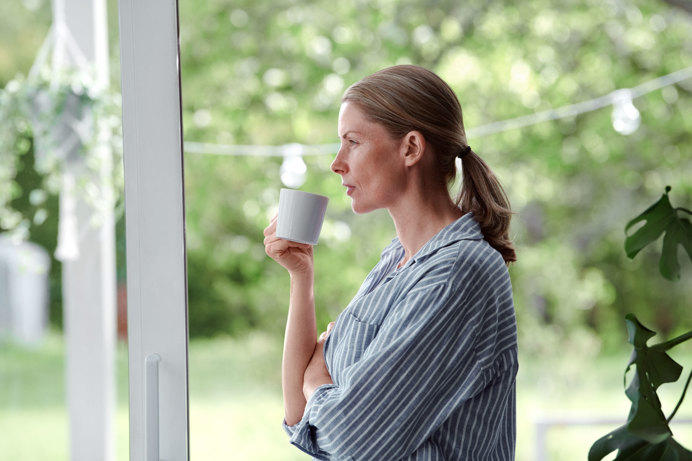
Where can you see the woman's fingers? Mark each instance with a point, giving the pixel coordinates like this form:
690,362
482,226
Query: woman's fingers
271,228
276,247
325,334
277,244
294,256
269,239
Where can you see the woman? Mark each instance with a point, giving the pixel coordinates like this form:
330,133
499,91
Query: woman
421,365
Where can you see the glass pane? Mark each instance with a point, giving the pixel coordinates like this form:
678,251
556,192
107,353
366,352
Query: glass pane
246,80
34,342
269,74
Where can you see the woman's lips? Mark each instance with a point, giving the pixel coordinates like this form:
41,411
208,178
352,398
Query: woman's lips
349,189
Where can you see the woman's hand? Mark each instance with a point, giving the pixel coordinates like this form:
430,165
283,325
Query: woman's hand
316,374
296,257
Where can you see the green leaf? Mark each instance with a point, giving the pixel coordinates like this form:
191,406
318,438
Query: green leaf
646,436
661,218
658,216
678,232
653,368
668,450
632,448
619,439
637,334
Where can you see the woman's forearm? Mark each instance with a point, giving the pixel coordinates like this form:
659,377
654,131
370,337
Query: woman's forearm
299,344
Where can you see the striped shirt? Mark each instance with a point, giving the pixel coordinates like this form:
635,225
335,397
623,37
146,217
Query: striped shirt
423,359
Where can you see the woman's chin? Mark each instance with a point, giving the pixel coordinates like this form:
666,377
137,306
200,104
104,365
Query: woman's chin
359,208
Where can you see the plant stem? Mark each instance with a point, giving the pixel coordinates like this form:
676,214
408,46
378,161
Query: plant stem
664,346
682,397
683,209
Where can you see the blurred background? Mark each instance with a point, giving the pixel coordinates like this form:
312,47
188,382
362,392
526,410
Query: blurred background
260,74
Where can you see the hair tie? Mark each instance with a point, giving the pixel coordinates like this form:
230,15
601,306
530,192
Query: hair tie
464,152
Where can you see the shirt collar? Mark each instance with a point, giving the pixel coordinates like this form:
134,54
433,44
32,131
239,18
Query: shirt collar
464,228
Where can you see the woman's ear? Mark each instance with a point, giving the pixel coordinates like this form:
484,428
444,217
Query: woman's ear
413,147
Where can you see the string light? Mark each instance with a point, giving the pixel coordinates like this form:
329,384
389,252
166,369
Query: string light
625,117
293,170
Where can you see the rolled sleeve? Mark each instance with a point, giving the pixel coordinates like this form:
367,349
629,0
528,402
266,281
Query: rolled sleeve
302,434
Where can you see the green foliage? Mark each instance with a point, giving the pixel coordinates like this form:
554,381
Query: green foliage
232,285
273,73
58,116
646,436
662,218
24,27
42,207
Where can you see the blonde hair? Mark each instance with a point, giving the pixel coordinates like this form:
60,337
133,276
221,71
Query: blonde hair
406,98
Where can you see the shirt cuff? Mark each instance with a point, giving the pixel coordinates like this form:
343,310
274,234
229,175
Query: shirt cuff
303,435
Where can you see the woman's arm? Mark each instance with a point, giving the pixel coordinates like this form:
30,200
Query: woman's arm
301,329
317,374
299,345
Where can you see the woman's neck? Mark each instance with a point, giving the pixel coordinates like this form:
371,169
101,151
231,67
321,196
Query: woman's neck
419,217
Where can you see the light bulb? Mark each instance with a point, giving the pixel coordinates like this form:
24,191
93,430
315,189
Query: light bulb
293,170
625,115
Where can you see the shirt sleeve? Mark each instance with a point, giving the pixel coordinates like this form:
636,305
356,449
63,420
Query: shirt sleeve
431,353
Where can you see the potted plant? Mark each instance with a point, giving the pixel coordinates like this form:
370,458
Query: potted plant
646,436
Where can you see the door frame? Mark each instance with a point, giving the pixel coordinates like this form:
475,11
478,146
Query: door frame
155,230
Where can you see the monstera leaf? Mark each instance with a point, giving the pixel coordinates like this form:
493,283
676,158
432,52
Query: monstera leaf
646,436
635,449
662,218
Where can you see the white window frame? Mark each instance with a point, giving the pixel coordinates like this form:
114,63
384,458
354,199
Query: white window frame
155,230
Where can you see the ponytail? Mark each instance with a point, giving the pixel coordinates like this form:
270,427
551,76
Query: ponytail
482,194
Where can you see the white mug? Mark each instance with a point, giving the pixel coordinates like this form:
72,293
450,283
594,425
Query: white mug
300,216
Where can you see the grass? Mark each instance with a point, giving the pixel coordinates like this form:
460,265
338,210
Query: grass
236,410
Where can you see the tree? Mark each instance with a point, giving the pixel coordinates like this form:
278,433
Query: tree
273,73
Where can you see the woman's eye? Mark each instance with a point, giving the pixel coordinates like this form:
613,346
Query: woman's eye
352,142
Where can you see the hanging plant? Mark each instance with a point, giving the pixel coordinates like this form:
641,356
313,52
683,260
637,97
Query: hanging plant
73,127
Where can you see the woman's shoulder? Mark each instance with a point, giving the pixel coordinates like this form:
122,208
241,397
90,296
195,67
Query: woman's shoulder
478,254
465,258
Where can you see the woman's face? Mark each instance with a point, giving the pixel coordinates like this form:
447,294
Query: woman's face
369,161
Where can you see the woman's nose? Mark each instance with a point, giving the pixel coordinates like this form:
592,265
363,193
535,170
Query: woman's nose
338,165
